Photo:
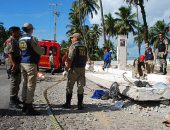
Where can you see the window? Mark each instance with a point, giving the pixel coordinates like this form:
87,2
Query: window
53,50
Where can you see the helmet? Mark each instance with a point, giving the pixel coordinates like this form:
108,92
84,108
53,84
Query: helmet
142,58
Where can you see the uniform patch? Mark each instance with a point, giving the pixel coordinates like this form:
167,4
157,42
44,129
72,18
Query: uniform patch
23,45
82,51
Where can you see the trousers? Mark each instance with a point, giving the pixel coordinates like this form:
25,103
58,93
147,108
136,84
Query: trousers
29,72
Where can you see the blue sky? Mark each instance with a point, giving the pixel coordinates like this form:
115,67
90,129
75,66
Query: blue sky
40,14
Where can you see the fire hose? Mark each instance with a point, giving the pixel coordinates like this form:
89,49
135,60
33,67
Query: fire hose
52,118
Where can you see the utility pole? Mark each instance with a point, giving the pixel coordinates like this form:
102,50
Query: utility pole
55,16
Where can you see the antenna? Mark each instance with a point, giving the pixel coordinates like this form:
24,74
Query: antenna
55,15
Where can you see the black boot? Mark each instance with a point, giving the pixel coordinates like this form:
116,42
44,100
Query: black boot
68,101
14,103
161,70
18,101
29,110
80,101
24,107
165,72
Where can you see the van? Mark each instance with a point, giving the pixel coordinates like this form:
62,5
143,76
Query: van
53,48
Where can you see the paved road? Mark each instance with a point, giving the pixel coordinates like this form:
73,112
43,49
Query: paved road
4,88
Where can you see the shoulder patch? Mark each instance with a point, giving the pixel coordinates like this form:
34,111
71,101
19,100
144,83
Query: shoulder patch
22,45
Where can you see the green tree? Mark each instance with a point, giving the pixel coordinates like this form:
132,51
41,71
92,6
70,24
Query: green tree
103,23
110,26
140,3
74,25
3,36
159,26
125,22
78,13
139,38
92,37
88,7
65,44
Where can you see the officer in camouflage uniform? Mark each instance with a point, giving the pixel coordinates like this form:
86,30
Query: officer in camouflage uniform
30,54
14,59
139,68
162,53
75,64
7,61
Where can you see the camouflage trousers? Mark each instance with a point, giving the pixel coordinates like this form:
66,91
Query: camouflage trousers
150,66
15,82
162,60
76,75
29,72
137,72
162,63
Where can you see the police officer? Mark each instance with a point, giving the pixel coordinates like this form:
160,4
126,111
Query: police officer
30,54
14,57
149,60
139,67
162,53
75,64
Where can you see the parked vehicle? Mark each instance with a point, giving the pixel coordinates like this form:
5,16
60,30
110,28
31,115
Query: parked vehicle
53,48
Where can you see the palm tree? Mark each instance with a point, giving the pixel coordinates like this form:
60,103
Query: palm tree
65,44
139,38
159,26
86,7
141,5
3,36
95,33
80,9
74,25
89,7
109,25
102,17
125,22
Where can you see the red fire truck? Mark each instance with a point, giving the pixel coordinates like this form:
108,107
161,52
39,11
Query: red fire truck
53,48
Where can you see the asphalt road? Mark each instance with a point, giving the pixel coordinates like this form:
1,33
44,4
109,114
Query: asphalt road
4,88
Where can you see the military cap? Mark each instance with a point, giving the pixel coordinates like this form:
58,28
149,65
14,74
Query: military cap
77,35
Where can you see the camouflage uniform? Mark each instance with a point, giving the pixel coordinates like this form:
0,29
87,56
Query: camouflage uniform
13,49
77,57
75,73
7,61
138,69
30,54
162,54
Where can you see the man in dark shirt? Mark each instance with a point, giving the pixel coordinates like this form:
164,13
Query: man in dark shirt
162,53
75,64
12,49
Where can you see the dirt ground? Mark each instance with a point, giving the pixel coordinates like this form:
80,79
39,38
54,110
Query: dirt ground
97,115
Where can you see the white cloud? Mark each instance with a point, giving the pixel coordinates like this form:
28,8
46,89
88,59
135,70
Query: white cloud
109,6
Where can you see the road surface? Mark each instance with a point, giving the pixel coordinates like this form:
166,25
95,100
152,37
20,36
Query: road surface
4,88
